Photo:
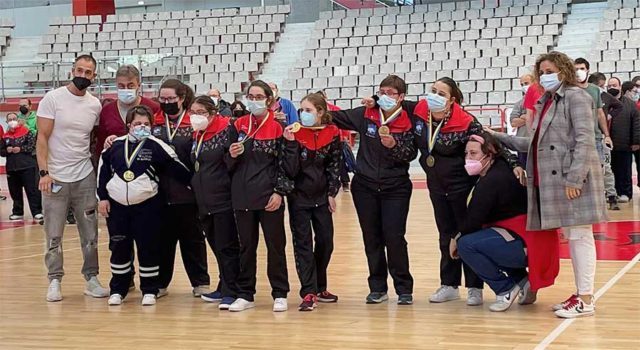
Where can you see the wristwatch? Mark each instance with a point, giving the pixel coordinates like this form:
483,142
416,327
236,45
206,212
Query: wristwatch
44,173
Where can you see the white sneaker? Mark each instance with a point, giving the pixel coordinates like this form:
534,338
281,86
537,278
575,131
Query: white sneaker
199,290
560,306
280,305
623,199
444,294
527,296
38,217
474,297
162,292
55,292
504,301
577,308
115,299
241,305
16,217
93,288
148,300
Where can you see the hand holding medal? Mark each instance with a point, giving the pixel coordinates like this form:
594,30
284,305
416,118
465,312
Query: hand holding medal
237,148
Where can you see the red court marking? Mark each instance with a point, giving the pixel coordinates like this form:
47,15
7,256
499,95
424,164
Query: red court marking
614,241
5,225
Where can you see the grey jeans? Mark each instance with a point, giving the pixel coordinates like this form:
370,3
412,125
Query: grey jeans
81,196
605,161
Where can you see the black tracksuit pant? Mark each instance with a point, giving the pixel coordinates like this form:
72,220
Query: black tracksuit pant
383,219
272,223
180,224
27,179
135,223
621,166
311,262
222,235
449,210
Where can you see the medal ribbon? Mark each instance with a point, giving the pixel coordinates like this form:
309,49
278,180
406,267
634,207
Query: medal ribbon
433,136
129,159
249,134
199,145
391,118
170,134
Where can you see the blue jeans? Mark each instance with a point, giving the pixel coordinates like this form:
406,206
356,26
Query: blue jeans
500,263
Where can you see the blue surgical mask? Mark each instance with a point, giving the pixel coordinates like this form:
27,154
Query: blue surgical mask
436,102
387,103
550,82
141,132
127,96
307,119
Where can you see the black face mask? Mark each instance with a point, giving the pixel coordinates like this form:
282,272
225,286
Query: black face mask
614,92
170,108
239,114
24,110
81,83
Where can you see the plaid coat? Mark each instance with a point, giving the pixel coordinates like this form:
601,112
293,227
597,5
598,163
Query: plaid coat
566,157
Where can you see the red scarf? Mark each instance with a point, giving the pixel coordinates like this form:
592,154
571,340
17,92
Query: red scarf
218,124
543,250
269,131
458,122
402,123
159,119
18,132
316,139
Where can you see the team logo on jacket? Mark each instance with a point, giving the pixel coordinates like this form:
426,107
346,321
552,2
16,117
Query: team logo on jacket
371,130
241,136
304,155
419,127
157,131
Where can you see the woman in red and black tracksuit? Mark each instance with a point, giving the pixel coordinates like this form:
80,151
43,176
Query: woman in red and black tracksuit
313,157
258,183
18,146
442,129
180,217
211,184
381,187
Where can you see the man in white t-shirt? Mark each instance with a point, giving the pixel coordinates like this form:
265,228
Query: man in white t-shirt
67,117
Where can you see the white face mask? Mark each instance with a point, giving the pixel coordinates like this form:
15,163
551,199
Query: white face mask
581,75
525,88
215,100
199,122
257,108
13,124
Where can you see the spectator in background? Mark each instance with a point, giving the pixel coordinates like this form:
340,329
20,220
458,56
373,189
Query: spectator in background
112,118
612,108
18,146
224,108
636,154
238,109
626,128
27,115
286,112
518,116
345,137
533,94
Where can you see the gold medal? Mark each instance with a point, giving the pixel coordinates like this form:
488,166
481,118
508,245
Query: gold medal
241,149
431,161
295,127
384,131
129,176
196,166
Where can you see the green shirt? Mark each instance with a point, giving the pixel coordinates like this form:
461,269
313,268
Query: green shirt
596,95
30,121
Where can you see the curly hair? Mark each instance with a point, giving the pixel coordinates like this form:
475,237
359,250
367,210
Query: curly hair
567,71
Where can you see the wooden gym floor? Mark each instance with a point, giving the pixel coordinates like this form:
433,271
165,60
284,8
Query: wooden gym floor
180,321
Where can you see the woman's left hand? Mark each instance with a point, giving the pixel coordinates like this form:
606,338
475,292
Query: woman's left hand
572,193
388,141
521,175
288,133
275,201
332,204
453,249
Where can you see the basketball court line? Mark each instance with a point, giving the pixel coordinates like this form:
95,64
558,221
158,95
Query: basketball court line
567,322
42,254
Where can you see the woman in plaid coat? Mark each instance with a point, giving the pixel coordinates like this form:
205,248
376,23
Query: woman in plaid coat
565,181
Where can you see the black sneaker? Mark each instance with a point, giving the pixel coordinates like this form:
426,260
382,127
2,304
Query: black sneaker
71,220
613,203
326,297
405,299
377,297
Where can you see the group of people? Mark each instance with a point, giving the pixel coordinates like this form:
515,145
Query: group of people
219,178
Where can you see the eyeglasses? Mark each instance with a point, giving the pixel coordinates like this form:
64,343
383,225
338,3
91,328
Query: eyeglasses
168,99
256,97
388,93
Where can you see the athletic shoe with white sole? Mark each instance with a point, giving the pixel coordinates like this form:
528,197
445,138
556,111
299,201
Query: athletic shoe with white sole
561,305
226,302
377,297
115,299
199,290
577,308
93,288
527,296
16,217
241,305
280,305
148,300
444,294
162,292
504,301
474,297
54,293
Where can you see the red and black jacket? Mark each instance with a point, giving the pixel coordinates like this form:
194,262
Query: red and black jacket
19,137
174,191
448,175
211,183
380,167
259,171
313,161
